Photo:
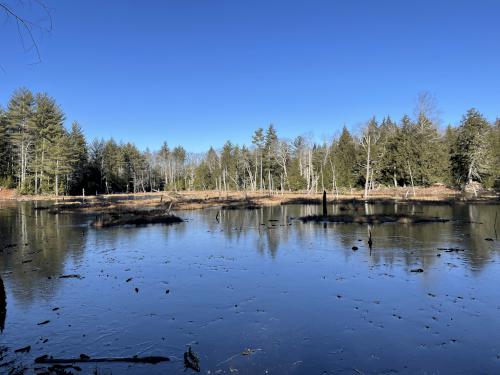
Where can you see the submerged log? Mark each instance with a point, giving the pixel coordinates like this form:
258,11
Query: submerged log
86,359
372,219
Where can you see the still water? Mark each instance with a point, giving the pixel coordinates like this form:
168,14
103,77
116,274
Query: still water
295,294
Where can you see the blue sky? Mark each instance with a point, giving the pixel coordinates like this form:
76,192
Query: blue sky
200,72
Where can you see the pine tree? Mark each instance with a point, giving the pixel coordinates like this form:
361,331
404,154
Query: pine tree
95,181
344,160
5,153
22,134
429,153
48,119
495,152
470,155
258,142
78,159
270,149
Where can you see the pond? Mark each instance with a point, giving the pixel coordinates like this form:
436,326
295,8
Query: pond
256,291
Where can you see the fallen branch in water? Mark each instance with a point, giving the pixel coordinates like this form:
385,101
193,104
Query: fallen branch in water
86,359
71,276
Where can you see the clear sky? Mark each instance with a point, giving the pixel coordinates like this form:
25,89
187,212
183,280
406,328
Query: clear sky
199,72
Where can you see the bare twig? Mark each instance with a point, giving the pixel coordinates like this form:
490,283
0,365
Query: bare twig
28,26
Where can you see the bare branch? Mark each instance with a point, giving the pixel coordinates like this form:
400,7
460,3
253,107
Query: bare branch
23,24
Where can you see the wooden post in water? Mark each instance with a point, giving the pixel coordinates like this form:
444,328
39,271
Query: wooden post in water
325,211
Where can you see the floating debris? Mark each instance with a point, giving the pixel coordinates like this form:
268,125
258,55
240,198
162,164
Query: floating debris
42,323
418,270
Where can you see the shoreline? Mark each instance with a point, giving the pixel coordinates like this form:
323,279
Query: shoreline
191,200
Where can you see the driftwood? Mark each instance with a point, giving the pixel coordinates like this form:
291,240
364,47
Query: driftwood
86,359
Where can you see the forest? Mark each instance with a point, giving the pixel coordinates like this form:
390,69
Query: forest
38,155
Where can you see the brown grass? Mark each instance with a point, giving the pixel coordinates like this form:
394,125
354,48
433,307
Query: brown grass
191,200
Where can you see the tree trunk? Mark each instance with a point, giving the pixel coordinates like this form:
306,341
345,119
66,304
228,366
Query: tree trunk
57,178
411,178
368,161
325,210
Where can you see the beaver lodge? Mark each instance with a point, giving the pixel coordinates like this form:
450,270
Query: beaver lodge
135,218
372,219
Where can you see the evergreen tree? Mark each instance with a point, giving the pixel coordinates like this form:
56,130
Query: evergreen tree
22,132
95,181
48,119
270,149
344,159
5,152
258,142
494,148
470,155
448,141
78,159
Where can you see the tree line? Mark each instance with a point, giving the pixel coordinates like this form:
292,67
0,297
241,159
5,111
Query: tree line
38,155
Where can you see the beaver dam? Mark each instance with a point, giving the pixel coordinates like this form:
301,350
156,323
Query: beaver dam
373,219
289,297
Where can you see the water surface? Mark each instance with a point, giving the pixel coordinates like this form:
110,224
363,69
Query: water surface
295,294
